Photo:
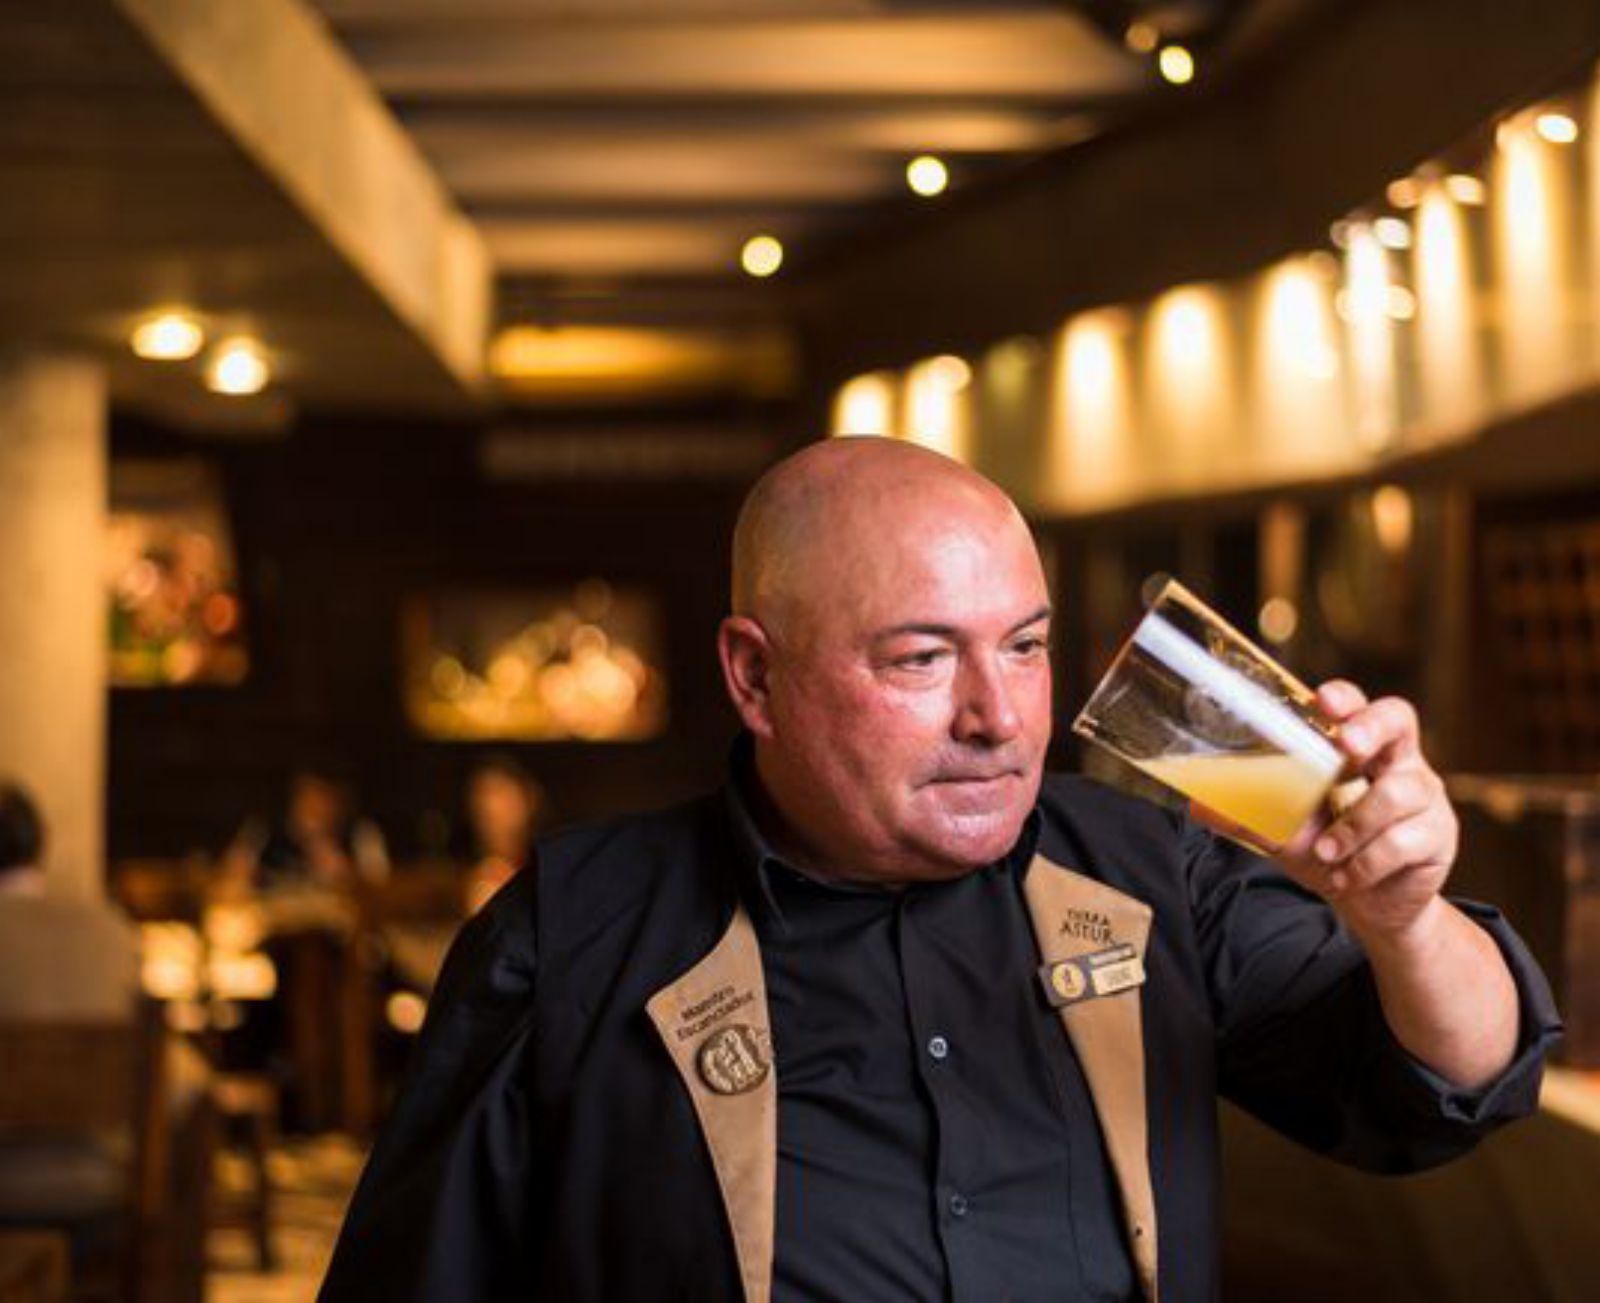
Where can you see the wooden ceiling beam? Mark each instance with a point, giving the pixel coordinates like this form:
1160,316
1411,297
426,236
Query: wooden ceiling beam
352,14
504,130
1049,52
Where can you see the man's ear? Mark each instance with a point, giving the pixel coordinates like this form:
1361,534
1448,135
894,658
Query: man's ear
746,655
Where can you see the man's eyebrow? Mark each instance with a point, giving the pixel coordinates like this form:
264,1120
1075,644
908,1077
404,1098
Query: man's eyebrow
1043,613
934,630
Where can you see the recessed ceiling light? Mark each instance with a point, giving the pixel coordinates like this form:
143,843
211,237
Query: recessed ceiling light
762,255
238,367
1176,64
927,175
168,337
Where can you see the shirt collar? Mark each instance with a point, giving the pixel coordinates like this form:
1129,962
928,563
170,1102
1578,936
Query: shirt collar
755,853
760,864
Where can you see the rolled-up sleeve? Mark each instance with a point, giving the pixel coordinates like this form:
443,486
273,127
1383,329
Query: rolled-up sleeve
1302,1042
1515,1092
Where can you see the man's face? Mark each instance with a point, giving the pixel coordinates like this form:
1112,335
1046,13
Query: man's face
910,696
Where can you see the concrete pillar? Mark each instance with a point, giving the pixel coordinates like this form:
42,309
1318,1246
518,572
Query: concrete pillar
53,604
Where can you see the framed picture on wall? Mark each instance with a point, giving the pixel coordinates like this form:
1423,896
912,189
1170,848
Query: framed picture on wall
171,577
581,662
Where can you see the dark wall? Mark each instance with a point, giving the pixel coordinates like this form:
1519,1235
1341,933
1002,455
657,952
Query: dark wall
334,526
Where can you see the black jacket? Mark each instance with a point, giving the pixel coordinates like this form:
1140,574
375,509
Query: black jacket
591,1112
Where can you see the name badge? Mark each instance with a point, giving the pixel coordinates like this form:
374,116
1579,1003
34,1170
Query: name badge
1086,977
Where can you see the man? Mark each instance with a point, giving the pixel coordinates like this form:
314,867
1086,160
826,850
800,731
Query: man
792,1042
69,961
64,959
504,803
320,841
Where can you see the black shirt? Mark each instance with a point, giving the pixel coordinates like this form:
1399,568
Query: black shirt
936,1139
547,1146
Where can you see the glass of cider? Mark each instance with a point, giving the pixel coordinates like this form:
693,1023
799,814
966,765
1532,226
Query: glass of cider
1199,707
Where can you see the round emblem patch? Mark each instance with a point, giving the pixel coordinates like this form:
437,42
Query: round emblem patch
1067,980
734,1059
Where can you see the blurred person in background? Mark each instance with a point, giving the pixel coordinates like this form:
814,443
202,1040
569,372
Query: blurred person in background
300,883
64,958
320,840
504,805
70,961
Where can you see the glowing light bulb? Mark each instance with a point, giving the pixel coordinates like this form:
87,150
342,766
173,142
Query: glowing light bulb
949,372
1399,302
1404,193
1176,64
238,368
927,175
1556,128
762,255
1278,619
1141,37
1392,517
1392,232
1466,189
169,337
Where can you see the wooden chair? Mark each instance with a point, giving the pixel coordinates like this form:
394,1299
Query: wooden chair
247,1105
65,1085
421,903
34,1267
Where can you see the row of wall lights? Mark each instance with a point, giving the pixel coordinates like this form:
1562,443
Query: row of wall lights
1394,233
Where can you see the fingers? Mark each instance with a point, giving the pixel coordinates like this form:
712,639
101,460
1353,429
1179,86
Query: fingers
1400,795
1386,728
1340,698
1383,858
1404,823
1422,841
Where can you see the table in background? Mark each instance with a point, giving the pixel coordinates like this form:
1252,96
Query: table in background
327,955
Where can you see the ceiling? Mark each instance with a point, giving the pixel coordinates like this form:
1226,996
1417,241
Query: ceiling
368,188
123,191
616,154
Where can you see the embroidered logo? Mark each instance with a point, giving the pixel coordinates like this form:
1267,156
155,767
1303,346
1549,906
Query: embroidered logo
735,1059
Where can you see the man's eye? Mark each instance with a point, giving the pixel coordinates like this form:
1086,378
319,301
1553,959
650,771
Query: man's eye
1032,646
920,660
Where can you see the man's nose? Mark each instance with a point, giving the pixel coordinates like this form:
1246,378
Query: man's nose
984,710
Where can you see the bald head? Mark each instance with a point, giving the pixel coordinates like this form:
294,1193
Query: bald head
836,503
888,653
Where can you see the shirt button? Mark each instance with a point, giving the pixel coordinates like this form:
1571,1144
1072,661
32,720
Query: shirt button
959,1205
939,1048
